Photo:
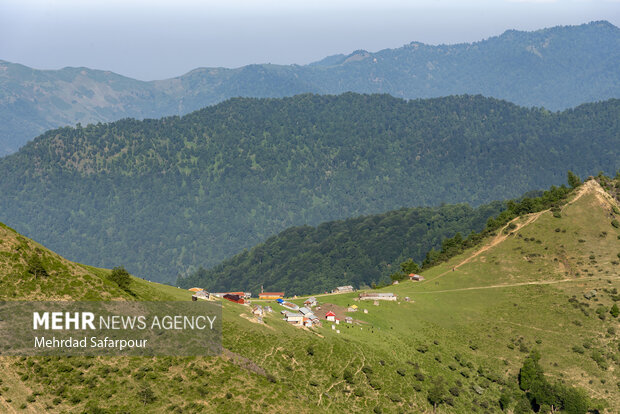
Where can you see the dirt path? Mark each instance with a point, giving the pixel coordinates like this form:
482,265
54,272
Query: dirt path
586,187
273,349
603,196
342,380
500,237
537,282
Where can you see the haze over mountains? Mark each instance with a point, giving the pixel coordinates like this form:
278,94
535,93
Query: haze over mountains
163,196
556,68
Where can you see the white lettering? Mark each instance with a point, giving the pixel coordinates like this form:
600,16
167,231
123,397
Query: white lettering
57,320
87,320
40,319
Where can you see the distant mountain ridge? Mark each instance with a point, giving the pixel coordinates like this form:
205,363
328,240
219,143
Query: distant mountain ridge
556,68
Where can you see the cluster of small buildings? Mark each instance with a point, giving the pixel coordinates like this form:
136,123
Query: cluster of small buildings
260,311
294,314
236,297
331,317
303,316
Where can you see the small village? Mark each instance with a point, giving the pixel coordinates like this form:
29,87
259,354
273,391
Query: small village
311,314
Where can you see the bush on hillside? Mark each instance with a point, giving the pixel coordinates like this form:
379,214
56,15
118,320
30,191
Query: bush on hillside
121,277
35,266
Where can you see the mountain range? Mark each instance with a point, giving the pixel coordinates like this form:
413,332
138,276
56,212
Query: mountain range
163,197
555,68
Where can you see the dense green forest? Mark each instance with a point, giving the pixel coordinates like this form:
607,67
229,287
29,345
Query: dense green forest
163,197
557,68
357,251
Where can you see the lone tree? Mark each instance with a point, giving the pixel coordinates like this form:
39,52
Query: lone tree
121,277
437,393
573,180
146,395
35,266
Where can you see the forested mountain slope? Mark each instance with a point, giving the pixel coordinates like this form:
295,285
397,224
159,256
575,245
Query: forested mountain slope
358,251
556,68
161,196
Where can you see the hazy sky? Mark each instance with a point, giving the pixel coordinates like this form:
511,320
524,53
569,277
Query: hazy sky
155,39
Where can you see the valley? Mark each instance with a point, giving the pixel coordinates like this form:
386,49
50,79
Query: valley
459,343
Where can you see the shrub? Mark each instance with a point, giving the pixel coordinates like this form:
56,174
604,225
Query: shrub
615,223
121,277
504,400
347,375
437,393
395,398
35,267
401,372
598,357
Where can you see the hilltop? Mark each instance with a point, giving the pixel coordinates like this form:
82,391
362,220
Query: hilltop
459,343
163,197
557,68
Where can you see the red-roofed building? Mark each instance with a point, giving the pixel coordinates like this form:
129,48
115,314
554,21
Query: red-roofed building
330,316
234,298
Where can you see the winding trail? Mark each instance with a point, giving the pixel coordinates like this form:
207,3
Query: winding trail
499,237
363,362
537,282
590,185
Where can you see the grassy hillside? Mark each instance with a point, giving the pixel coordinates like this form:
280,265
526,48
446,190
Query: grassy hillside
163,197
460,342
528,68
29,271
